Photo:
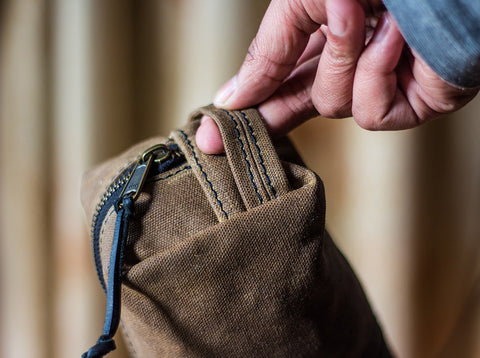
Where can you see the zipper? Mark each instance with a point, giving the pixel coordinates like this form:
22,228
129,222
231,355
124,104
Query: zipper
155,160
122,195
158,153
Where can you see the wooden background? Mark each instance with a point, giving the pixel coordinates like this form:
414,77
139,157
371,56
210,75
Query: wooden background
81,80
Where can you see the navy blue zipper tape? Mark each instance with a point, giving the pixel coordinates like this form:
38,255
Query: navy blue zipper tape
105,343
113,195
123,201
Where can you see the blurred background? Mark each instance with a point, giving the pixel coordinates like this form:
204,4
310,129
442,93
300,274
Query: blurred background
81,80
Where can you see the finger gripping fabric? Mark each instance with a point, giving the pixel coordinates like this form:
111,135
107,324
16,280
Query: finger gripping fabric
227,255
253,160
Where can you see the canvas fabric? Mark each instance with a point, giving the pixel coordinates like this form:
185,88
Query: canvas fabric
227,255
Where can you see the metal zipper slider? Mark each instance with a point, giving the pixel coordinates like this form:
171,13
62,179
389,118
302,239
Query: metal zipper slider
158,154
124,206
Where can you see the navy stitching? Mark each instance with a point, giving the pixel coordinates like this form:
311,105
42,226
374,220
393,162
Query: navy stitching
171,175
269,182
203,173
249,167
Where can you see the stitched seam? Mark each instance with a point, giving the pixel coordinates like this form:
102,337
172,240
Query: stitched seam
203,173
261,162
171,175
249,166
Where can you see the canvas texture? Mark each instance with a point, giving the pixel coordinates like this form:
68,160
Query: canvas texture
227,255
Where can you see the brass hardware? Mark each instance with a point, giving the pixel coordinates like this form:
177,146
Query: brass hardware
158,154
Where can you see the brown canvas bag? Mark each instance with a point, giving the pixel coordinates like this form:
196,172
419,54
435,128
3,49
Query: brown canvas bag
222,255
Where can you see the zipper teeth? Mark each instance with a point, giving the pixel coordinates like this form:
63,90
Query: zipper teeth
106,195
117,183
112,188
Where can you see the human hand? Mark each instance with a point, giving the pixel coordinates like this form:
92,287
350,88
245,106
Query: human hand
295,68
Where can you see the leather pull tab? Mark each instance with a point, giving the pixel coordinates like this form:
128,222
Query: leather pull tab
255,165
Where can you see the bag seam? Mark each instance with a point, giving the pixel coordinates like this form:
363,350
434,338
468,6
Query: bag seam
171,175
260,157
199,166
249,166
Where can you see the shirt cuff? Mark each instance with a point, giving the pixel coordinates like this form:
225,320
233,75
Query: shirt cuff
446,35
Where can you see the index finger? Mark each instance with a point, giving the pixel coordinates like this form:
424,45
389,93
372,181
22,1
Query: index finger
273,53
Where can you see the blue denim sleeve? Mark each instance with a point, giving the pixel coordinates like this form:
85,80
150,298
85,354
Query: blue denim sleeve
446,35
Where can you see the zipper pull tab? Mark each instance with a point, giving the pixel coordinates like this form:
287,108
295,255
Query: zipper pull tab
124,208
158,153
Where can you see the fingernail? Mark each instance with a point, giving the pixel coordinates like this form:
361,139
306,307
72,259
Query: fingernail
337,24
382,28
226,92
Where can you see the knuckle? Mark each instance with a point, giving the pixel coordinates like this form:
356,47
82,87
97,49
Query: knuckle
369,63
298,102
272,67
322,107
297,98
330,110
444,106
344,51
253,57
448,105
340,59
331,104
367,119
368,123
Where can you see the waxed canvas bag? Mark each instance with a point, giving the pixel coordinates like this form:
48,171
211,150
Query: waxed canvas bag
222,255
